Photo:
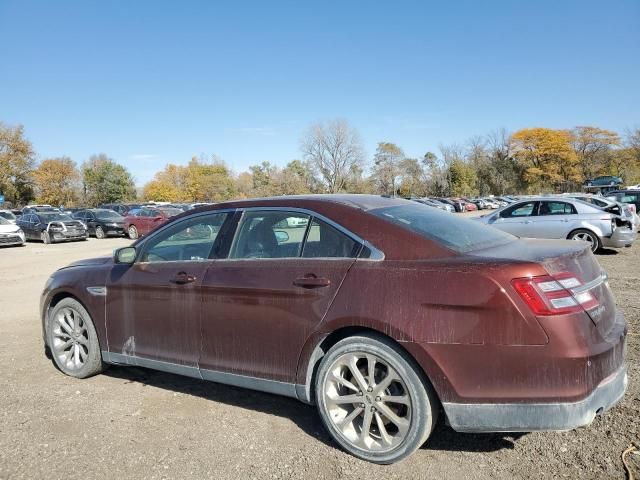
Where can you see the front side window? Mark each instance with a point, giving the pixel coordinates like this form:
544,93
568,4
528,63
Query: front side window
269,234
189,240
520,210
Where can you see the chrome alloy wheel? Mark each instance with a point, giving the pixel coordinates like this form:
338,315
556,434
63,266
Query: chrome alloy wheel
367,402
585,237
70,339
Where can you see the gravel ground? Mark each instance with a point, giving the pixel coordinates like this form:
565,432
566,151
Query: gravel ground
136,423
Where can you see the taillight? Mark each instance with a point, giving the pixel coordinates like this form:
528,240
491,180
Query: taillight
547,295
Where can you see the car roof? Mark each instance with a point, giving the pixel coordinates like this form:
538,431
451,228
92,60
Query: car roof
358,201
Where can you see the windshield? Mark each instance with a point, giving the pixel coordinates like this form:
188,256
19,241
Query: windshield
54,217
4,221
7,215
108,215
459,234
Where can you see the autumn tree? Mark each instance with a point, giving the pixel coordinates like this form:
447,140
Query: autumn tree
332,149
592,146
386,167
106,181
17,160
547,157
57,181
463,178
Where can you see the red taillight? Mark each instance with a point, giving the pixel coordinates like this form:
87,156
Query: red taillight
547,295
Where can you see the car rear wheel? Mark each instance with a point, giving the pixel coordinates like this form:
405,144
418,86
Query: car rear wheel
100,232
73,340
133,232
45,237
373,400
586,236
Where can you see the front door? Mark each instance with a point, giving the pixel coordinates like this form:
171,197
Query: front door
261,303
154,305
517,219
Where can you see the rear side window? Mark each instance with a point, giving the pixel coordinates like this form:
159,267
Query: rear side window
325,241
556,208
458,234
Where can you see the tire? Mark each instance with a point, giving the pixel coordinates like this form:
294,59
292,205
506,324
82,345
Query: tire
586,235
45,237
100,233
75,350
133,232
415,416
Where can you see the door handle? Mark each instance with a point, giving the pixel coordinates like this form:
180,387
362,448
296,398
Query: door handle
527,221
312,282
183,278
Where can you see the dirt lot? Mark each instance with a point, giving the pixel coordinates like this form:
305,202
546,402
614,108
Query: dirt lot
135,423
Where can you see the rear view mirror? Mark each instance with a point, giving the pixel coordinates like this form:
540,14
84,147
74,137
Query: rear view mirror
125,255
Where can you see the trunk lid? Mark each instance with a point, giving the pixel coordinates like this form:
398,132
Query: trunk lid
567,258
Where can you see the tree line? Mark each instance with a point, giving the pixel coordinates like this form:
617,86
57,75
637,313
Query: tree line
333,160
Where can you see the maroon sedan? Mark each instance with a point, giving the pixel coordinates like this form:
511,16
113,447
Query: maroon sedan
385,313
140,221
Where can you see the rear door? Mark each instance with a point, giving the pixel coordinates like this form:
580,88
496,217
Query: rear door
554,219
260,304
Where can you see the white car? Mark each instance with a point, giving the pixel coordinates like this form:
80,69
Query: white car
10,233
8,215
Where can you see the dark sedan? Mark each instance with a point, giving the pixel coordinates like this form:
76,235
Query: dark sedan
359,311
51,227
101,222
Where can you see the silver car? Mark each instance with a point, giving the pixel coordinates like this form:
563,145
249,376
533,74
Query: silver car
562,217
625,210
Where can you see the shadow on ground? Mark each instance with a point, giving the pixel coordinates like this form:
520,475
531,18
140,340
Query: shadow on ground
304,416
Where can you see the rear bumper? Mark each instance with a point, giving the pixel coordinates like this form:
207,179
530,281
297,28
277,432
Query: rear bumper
622,237
526,417
66,237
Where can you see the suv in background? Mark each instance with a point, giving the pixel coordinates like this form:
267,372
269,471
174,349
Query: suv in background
605,181
122,208
626,196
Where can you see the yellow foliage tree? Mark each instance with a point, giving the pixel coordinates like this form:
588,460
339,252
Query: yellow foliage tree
57,181
547,156
592,145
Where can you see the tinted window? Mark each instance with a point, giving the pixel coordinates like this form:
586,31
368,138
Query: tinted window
108,215
264,234
325,241
188,240
519,210
556,208
459,234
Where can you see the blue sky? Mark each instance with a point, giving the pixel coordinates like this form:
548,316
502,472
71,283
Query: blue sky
153,82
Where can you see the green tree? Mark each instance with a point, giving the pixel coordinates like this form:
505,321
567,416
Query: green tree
592,146
57,181
16,165
106,181
463,178
386,167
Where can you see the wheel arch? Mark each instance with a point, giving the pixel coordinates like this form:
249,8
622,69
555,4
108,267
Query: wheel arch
321,344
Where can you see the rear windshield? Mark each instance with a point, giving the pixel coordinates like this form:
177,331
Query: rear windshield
171,212
54,217
459,234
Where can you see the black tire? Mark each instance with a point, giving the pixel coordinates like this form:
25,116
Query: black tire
91,346
100,233
45,237
595,240
132,232
424,402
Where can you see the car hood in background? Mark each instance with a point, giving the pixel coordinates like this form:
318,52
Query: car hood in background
13,228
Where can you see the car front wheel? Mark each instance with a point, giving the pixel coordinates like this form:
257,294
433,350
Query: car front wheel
100,233
45,237
373,401
73,340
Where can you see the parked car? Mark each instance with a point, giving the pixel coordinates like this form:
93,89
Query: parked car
122,208
8,215
141,221
506,199
430,203
51,227
313,314
38,208
625,210
607,180
457,206
631,197
466,205
562,217
10,233
101,222
447,207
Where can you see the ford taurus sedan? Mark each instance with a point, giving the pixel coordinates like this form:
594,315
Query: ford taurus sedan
358,312
563,217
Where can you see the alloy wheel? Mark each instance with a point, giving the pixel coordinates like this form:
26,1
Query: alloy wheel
586,237
367,402
133,232
70,339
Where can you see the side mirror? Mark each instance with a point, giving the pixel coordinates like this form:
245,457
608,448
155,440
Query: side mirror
281,236
157,219
125,255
